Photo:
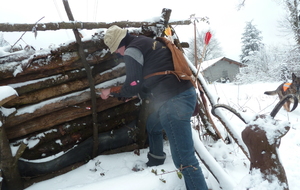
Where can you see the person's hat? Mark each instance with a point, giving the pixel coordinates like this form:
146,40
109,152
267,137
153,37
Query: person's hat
113,37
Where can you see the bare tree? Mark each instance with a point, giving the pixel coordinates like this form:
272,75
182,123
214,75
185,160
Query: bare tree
290,23
213,49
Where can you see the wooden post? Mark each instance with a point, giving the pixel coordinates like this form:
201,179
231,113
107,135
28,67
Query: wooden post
163,22
195,45
9,163
90,78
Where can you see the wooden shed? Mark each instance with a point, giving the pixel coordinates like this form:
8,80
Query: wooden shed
221,69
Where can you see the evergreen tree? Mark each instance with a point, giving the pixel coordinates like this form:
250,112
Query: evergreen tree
251,41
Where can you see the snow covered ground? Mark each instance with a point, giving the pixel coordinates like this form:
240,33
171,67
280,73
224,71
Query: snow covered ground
114,172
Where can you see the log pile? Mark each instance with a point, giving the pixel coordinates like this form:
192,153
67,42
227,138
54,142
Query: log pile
54,99
53,110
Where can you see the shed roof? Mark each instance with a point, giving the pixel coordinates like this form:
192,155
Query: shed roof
206,64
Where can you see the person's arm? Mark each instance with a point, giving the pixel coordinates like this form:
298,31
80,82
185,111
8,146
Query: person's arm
134,76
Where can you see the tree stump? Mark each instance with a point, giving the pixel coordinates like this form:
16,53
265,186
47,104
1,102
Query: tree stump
262,137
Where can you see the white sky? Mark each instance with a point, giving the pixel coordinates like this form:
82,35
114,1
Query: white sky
225,19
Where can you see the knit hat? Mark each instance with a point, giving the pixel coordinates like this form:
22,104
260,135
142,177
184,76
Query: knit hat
113,37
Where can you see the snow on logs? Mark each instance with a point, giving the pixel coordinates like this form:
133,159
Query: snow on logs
52,113
53,106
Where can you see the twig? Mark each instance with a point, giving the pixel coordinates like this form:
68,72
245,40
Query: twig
24,34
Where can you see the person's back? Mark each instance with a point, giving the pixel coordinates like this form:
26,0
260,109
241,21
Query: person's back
157,57
173,101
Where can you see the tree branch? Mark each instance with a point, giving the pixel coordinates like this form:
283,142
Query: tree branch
90,79
24,33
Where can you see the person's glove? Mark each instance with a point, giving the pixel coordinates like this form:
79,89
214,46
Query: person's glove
115,89
105,93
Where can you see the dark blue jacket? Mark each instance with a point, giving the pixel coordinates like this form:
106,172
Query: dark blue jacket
144,56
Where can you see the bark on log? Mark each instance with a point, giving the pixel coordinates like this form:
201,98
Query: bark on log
64,142
62,89
44,68
55,104
34,85
49,81
94,44
8,163
7,99
58,117
47,63
15,27
77,130
89,76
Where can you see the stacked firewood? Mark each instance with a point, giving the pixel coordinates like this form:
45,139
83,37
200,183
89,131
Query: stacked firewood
55,112
54,100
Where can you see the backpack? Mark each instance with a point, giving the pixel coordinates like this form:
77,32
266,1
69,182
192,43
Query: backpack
181,68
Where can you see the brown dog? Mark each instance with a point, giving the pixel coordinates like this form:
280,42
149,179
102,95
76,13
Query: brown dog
287,88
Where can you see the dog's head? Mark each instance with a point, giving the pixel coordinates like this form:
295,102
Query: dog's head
296,83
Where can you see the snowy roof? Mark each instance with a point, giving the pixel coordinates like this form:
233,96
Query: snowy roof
205,64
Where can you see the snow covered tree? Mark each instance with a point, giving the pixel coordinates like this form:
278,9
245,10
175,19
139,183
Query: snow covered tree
251,40
213,49
291,22
269,64
263,66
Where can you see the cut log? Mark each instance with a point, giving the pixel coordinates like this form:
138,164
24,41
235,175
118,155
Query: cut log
64,136
64,77
58,117
107,141
8,27
5,100
62,89
91,46
46,63
54,104
34,85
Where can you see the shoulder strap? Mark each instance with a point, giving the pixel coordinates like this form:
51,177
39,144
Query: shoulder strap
181,68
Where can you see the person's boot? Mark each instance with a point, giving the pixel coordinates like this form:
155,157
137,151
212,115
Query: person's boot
154,160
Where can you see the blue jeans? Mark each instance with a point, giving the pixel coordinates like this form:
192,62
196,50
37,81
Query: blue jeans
174,118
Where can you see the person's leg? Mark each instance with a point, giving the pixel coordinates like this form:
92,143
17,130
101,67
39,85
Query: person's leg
156,155
175,118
